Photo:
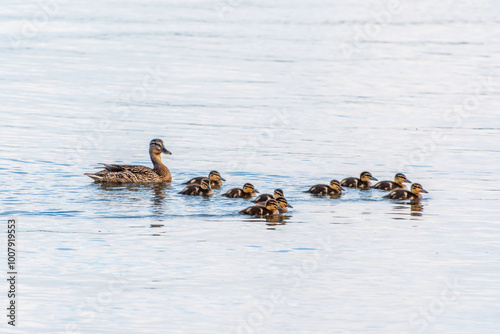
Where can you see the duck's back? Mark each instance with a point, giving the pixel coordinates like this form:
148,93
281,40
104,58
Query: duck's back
234,193
126,174
257,210
388,185
401,194
351,182
263,198
319,189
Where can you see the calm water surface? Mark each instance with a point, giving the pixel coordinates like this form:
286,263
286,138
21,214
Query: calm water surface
285,95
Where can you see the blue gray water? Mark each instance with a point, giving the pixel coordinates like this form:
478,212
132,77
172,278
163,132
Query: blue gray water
288,95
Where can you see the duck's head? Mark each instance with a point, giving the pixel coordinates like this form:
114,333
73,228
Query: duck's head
249,188
157,147
215,176
417,188
278,193
400,178
366,176
205,184
283,202
272,205
335,184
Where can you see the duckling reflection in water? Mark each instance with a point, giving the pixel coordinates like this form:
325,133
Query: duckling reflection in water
265,197
214,177
137,173
247,192
413,194
362,183
399,179
202,189
333,189
271,208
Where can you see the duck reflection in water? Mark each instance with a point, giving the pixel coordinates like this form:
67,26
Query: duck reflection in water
156,192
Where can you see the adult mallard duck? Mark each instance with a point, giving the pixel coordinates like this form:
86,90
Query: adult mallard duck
363,182
214,177
271,208
247,192
136,173
265,197
399,179
402,194
333,189
202,189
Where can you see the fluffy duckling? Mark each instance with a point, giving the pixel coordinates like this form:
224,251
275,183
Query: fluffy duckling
214,177
271,208
333,188
136,173
202,189
414,192
247,192
265,197
399,179
283,203
363,182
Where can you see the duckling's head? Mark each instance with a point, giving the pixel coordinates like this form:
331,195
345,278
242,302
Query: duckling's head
205,184
249,188
272,205
416,188
157,147
283,202
278,193
215,176
335,184
366,176
400,178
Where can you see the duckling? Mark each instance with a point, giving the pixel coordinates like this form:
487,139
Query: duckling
265,197
399,179
363,182
202,189
214,177
247,192
135,173
333,188
283,203
414,192
271,208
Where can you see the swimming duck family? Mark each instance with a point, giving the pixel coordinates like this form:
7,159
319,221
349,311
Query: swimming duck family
265,204
137,173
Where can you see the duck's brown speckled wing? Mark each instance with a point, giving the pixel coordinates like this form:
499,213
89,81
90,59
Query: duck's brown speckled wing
125,174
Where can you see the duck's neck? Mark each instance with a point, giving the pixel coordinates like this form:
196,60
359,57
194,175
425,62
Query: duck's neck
159,167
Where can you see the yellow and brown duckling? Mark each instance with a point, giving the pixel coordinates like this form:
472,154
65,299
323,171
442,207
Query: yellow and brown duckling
214,177
363,182
270,208
399,179
333,189
247,192
402,194
265,197
136,173
283,203
202,189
